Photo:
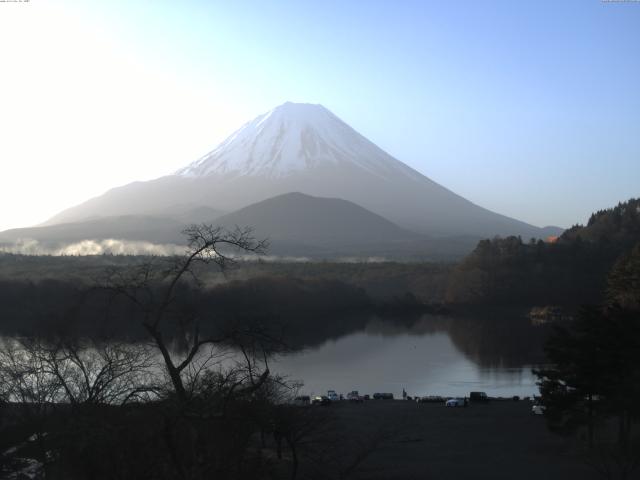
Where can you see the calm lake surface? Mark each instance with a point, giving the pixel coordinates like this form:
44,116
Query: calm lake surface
423,354
430,356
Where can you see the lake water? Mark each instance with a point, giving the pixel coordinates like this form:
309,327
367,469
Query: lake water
425,355
432,356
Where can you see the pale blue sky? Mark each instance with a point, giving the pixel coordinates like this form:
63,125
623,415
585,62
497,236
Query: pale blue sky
531,109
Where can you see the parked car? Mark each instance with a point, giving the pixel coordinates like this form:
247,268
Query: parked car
479,397
322,400
332,395
538,409
455,402
302,400
354,396
383,396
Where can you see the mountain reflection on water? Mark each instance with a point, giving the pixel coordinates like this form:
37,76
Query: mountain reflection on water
425,355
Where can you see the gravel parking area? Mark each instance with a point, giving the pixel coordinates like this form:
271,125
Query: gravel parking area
498,440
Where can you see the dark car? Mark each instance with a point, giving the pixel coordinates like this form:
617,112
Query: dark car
383,396
321,400
478,397
302,400
354,396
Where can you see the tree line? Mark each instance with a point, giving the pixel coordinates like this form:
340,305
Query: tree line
569,270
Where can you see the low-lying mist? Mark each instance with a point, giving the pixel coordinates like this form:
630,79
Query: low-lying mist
108,246
112,246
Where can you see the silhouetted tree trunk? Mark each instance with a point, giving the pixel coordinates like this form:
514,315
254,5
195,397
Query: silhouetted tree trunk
206,245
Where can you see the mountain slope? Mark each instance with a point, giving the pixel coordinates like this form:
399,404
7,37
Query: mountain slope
301,225
305,148
296,224
296,218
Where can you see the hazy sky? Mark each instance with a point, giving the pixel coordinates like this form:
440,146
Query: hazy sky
531,109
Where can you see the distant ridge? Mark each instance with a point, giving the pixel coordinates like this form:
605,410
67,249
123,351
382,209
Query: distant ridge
321,222
296,224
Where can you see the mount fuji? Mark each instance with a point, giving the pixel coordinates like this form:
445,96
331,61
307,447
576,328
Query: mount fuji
304,148
295,139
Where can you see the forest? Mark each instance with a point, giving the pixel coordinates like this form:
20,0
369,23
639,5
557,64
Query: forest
568,271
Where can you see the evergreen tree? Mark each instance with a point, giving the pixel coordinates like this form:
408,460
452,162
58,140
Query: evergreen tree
623,285
594,372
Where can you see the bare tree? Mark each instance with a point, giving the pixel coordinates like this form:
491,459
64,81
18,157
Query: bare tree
36,371
107,373
153,289
29,386
25,376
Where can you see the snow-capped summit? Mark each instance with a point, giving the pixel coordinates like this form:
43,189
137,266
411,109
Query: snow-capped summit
293,137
